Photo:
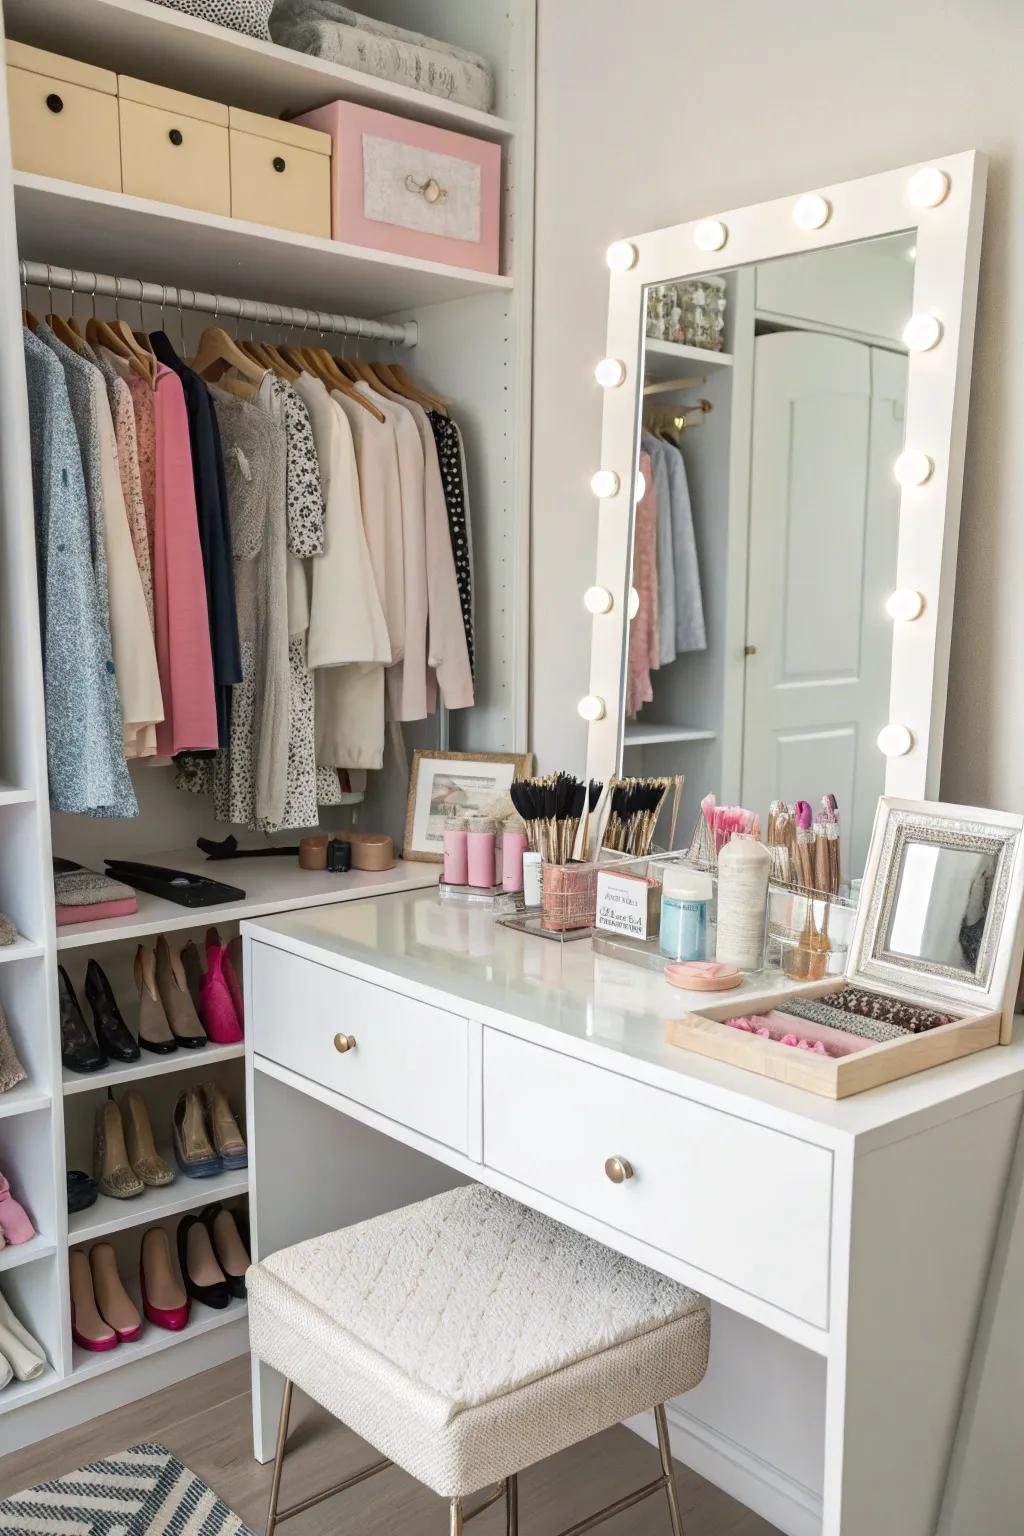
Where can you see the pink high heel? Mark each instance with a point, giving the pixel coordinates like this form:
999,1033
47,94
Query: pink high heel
220,1019
164,1301
13,1217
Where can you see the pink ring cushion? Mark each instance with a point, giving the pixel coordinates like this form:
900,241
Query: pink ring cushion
13,1217
702,975
803,1034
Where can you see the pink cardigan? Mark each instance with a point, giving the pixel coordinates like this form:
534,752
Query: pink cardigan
179,589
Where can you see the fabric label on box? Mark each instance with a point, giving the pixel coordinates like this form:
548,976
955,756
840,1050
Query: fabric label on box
420,189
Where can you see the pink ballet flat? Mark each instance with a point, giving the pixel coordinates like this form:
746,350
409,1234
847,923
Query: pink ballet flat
13,1217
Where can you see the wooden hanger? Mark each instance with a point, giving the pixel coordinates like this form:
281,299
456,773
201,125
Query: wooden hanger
29,320
117,338
323,366
63,332
281,366
396,378
217,352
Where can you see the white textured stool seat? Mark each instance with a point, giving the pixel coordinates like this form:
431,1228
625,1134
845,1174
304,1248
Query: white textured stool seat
467,1336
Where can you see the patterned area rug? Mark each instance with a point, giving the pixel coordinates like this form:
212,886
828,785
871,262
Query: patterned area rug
144,1491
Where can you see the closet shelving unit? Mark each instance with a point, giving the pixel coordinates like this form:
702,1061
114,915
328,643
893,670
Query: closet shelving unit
473,346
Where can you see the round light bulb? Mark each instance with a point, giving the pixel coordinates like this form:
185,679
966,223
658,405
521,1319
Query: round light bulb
895,740
605,483
634,602
928,187
641,485
591,707
598,599
811,211
921,333
621,255
913,467
710,235
610,372
904,605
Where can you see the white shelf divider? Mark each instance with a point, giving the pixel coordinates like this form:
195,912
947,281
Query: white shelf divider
25,1099
109,1215
21,949
81,227
16,1254
10,794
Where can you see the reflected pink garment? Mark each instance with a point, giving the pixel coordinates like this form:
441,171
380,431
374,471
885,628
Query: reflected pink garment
643,629
179,586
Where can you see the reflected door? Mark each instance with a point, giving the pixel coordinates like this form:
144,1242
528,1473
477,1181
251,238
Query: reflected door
824,511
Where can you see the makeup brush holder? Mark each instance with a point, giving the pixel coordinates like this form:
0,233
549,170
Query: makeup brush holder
809,933
570,897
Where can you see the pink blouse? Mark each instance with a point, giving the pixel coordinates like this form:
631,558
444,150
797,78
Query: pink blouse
179,588
643,629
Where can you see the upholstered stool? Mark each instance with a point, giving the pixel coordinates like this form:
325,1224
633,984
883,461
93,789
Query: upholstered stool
468,1337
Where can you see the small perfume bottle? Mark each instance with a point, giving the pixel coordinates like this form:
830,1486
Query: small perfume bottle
685,902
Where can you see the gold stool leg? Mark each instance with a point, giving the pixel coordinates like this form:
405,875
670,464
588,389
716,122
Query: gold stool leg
282,1436
456,1525
512,1505
665,1448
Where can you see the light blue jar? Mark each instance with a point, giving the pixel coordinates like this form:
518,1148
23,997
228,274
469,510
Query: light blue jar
685,904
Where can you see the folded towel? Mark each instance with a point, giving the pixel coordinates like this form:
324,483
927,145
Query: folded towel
332,31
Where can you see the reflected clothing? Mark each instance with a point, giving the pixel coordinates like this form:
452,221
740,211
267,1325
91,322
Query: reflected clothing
644,648
690,631
666,573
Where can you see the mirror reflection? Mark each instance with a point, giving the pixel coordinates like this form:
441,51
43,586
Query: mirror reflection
765,542
942,905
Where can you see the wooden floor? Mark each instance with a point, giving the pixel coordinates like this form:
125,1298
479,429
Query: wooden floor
205,1422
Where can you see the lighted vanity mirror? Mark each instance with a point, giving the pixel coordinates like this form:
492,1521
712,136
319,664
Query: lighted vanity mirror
785,390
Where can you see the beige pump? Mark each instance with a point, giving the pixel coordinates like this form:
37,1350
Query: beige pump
154,1030
228,1140
146,1162
172,985
111,1167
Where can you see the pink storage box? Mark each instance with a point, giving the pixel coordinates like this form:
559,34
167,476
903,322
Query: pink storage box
406,187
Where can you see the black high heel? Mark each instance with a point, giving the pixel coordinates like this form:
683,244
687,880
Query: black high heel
230,1244
78,1050
111,1030
215,1292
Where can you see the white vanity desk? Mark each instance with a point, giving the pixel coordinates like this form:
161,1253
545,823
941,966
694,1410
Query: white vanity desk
861,1230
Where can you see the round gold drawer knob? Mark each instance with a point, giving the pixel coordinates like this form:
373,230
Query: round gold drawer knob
344,1042
618,1170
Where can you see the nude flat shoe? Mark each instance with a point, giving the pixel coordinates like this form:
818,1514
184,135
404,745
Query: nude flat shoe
88,1328
113,1303
228,1141
146,1162
163,1296
154,1030
111,1168
172,985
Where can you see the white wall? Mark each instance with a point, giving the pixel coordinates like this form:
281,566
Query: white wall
650,113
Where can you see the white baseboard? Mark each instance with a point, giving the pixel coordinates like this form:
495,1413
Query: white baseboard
778,1498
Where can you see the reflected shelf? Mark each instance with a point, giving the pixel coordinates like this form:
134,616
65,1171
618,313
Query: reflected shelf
665,360
641,735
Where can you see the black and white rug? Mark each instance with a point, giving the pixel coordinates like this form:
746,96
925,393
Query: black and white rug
144,1491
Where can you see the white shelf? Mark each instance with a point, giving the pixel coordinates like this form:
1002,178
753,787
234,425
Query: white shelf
671,359
16,1254
271,885
21,949
85,1363
16,1393
75,226
153,1205
117,1073
640,735
10,794
22,1100
153,43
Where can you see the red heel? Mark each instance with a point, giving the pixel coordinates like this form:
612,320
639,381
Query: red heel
164,1301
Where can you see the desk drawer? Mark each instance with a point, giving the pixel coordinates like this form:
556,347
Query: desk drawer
749,1205
409,1062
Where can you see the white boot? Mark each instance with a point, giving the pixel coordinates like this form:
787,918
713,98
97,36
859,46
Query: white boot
24,1354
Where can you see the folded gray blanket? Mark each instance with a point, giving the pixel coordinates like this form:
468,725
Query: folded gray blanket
333,31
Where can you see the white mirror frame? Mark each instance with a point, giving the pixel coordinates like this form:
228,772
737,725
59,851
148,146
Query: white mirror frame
948,238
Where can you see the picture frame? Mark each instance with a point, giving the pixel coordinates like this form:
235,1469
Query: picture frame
445,784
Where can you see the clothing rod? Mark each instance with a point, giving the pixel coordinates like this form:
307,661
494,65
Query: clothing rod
39,274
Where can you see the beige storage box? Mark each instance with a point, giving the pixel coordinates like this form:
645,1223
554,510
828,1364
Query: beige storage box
63,118
174,147
280,174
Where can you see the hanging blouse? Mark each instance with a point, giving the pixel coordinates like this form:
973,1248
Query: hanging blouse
690,632
144,406
214,528
644,645
655,449
407,682
79,376
182,619
452,466
381,498
120,398
83,739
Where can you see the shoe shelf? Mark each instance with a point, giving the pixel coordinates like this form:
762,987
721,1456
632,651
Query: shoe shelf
17,1393
118,1073
21,949
153,1205
11,795
16,1254
86,1363
23,1100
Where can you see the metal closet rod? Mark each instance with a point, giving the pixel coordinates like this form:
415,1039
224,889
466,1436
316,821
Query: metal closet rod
39,274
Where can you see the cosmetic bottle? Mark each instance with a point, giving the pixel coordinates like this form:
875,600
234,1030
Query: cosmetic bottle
480,855
456,854
685,902
743,867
